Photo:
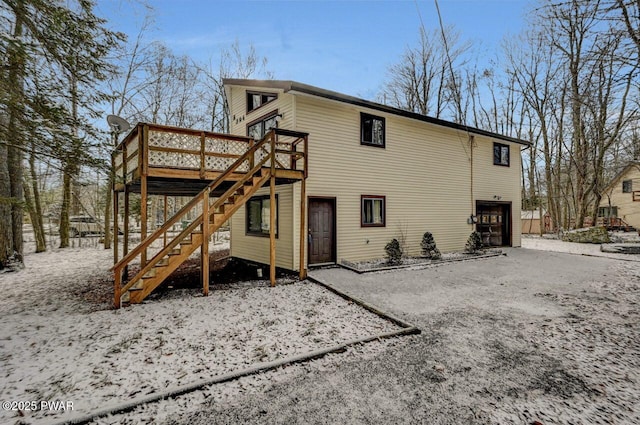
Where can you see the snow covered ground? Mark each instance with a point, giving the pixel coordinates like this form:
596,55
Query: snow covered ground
530,336
58,342
555,245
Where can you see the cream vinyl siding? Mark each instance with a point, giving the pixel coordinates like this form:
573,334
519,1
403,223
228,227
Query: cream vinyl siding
495,180
628,210
238,107
424,172
256,248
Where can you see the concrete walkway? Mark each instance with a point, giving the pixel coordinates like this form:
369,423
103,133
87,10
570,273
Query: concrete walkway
507,282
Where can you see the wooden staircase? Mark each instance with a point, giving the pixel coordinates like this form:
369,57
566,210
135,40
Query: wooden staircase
195,235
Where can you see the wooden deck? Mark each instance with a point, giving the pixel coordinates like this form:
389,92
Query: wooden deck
180,162
219,172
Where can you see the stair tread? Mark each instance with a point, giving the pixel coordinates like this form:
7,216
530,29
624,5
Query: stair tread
222,212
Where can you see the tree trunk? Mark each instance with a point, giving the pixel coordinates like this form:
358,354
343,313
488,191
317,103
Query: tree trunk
66,206
13,246
14,158
107,211
37,232
70,170
531,174
36,220
6,235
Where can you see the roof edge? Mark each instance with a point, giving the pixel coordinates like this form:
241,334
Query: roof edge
293,86
622,172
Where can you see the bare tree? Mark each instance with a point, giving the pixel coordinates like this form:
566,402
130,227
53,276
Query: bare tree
234,62
534,74
421,81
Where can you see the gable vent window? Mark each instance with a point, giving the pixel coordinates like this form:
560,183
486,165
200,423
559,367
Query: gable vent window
500,154
372,130
256,100
627,186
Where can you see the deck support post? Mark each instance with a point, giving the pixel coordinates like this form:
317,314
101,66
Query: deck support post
115,225
272,213
143,217
164,217
117,280
204,250
303,228
125,241
143,163
117,293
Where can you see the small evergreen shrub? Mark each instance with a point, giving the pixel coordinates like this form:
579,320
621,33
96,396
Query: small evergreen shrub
429,248
474,243
428,244
394,253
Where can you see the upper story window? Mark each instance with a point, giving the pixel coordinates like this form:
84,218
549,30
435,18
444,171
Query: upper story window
500,154
627,186
372,211
256,99
371,130
258,128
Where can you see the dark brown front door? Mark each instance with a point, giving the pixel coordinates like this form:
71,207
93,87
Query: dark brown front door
494,223
322,237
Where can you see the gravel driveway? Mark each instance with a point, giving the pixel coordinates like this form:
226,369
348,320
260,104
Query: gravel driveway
530,336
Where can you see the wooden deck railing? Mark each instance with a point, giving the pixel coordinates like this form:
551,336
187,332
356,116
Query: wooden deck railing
268,153
163,151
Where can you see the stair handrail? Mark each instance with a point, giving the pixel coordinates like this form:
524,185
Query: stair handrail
198,220
188,230
174,219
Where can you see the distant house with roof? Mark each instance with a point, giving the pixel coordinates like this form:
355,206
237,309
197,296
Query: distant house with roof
621,198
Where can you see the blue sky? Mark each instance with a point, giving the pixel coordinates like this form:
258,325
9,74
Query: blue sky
345,46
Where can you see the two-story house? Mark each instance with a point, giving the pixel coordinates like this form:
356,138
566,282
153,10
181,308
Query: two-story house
374,173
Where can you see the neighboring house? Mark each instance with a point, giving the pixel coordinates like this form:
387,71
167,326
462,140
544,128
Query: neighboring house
374,173
531,222
621,197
